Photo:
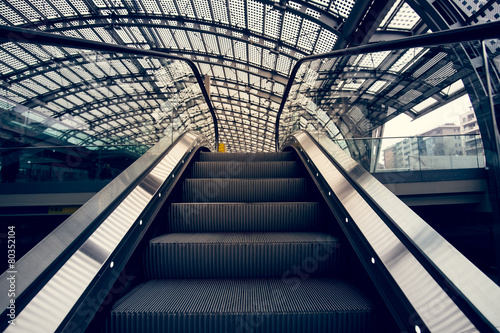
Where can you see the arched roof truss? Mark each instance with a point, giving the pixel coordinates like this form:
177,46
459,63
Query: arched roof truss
246,47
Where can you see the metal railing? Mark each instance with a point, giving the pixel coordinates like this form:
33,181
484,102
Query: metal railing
81,259
426,283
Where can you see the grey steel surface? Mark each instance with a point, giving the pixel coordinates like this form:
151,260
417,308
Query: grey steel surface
46,311
246,157
234,305
241,255
244,190
431,301
234,169
243,216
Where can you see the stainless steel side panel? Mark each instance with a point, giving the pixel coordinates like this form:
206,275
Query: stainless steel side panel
433,305
50,306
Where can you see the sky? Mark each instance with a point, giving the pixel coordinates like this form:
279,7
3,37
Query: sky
403,126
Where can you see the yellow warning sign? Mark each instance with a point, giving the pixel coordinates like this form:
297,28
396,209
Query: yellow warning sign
67,210
222,148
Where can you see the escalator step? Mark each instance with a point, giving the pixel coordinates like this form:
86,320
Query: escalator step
242,255
231,169
246,157
240,217
244,190
254,305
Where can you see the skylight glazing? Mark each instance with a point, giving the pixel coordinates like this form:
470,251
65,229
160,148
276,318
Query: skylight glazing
351,96
224,32
247,48
108,105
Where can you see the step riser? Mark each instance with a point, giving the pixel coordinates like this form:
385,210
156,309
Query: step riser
244,190
245,170
243,217
249,305
246,157
287,261
254,323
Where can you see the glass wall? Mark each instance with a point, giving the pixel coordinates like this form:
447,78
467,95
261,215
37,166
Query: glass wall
348,99
66,163
76,114
422,153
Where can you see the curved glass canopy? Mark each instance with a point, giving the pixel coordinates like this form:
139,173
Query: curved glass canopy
245,51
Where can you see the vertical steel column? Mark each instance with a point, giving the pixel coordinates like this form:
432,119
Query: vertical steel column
492,158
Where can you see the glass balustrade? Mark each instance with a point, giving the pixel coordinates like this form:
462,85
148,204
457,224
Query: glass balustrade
418,153
93,129
348,96
66,163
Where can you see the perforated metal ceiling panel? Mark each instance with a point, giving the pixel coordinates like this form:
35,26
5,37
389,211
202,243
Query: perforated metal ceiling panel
246,47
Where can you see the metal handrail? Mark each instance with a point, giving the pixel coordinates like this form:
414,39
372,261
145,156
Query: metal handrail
56,274
20,35
420,275
479,31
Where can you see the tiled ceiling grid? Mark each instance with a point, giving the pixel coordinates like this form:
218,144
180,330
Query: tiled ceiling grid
247,47
352,96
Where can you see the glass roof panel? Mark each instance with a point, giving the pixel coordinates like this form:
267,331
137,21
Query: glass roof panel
405,18
246,47
291,27
219,9
272,21
237,12
308,35
407,59
342,8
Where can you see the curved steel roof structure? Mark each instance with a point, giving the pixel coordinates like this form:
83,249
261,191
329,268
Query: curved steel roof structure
245,51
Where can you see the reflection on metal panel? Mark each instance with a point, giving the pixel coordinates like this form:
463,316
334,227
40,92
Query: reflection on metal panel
479,290
50,306
432,303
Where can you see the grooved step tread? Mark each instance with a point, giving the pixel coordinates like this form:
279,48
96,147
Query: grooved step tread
244,216
236,169
244,238
239,255
237,305
246,157
244,190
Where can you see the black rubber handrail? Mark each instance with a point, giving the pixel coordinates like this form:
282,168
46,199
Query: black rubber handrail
465,34
20,35
475,298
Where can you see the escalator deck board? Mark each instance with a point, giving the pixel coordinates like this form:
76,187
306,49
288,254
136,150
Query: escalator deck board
224,305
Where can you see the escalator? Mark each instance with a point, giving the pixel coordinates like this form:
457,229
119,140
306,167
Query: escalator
247,249
304,240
